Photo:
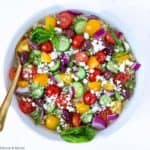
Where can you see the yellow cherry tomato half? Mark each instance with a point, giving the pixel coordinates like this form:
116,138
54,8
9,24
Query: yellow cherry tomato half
117,107
50,21
82,108
108,86
96,85
45,57
92,62
22,46
22,83
66,78
42,79
51,122
92,26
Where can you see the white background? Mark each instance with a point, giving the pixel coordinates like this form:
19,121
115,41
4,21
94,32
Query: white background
135,134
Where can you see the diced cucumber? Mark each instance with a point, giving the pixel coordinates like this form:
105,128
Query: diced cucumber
57,77
81,73
71,61
36,90
79,25
55,67
118,96
79,89
36,115
112,66
105,100
87,117
62,43
130,84
35,57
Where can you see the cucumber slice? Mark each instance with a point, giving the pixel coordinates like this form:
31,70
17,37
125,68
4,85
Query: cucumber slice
79,89
71,61
62,44
35,57
105,100
81,74
79,25
118,96
57,77
55,67
36,90
87,117
112,66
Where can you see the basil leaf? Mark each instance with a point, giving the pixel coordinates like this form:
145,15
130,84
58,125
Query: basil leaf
78,134
40,34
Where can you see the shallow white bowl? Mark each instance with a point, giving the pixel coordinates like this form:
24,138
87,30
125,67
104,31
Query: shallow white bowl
114,21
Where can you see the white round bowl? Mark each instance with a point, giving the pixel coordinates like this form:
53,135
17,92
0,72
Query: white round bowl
114,21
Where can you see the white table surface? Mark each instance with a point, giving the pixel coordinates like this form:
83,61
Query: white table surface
135,134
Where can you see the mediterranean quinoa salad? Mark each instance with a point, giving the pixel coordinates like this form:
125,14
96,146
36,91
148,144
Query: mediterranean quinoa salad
77,74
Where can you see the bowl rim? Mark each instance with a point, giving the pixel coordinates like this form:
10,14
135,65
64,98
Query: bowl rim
105,15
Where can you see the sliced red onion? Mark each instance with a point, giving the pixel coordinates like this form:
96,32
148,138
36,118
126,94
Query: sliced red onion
53,79
66,116
125,93
86,45
74,12
24,57
93,17
119,34
74,69
136,66
69,33
98,123
65,58
99,33
72,92
42,113
109,93
33,45
112,117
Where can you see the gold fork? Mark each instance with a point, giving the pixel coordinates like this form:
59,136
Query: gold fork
8,98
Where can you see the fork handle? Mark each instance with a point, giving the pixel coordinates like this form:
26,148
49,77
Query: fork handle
8,98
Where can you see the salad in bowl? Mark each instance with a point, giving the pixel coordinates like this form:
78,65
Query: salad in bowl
78,73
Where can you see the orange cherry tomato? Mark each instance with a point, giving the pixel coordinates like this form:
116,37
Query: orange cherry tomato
12,73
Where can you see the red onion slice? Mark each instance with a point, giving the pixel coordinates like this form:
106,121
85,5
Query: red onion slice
136,66
112,117
98,123
99,33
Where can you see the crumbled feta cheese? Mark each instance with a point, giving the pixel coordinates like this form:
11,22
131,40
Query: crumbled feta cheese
58,30
99,78
91,71
92,91
95,108
86,67
58,22
75,77
68,70
54,55
126,45
97,45
128,63
82,64
33,104
70,108
108,58
85,81
122,67
51,64
86,36
60,84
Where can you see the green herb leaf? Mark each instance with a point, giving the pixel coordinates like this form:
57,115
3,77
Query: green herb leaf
40,34
78,134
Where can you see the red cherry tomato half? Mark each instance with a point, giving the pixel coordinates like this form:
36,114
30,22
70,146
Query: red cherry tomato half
109,39
47,47
76,120
89,98
81,57
61,101
77,41
26,107
122,77
104,114
52,90
101,56
29,72
65,20
12,73
92,76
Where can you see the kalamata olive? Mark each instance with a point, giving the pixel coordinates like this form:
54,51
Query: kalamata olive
40,102
67,116
24,57
86,45
125,93
107,74
108,51
69,33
